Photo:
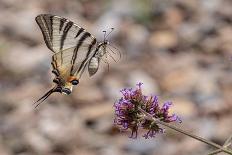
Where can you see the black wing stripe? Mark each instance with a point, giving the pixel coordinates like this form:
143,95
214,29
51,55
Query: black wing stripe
65,32
62,21
91,46
50,25
63,37
54,61
79,32
84,63
53,65
83,37
43,25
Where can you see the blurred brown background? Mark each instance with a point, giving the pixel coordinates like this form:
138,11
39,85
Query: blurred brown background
180,49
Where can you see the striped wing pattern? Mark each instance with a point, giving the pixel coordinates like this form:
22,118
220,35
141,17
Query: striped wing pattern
63,62
73,46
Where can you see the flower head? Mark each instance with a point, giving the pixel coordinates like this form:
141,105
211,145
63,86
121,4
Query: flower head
128,114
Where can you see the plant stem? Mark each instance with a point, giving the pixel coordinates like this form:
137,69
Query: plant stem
226,144
150,117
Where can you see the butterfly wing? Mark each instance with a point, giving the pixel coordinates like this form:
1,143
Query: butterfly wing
64,62
72,44
60,33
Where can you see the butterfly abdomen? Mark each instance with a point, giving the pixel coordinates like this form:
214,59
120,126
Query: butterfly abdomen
93,65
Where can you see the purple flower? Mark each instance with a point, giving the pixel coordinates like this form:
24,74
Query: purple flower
129,116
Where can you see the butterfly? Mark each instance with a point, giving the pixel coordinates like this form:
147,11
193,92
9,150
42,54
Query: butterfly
74,48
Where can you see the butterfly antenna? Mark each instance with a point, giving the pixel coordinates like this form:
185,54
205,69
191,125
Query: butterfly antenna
112,29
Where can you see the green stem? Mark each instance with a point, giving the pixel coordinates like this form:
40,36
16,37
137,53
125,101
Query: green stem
150,117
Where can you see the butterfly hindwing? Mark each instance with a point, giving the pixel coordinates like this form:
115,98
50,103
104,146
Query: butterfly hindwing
63,62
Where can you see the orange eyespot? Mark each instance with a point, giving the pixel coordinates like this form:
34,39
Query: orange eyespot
73,80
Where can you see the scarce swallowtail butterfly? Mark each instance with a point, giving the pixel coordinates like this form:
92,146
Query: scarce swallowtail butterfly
74,50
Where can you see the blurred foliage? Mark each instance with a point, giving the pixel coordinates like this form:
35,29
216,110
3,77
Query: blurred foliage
142,11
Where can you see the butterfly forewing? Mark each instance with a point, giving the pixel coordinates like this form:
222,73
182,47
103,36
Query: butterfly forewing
60,33
72,44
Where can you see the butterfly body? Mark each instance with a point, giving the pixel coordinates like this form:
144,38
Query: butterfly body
93,65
